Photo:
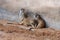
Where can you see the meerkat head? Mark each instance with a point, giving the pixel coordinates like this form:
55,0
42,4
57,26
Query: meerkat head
37,16
22,9
24,13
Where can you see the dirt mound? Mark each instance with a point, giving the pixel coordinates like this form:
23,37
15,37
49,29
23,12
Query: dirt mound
14,32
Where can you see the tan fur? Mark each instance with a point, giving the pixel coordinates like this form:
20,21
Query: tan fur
27,20
41,24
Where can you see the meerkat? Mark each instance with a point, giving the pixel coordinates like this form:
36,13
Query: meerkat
39,22
26,19
36,22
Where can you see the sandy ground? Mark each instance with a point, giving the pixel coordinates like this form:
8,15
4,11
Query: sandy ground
14,32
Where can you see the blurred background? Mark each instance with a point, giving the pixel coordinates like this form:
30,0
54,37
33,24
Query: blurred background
49,9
